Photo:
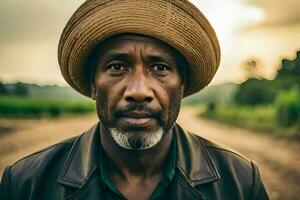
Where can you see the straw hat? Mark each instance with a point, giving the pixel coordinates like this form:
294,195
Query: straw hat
177,22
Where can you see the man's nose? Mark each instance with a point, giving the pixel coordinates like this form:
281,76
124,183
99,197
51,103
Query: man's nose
138,88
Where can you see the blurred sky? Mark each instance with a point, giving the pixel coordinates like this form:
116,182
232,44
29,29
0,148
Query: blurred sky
264,29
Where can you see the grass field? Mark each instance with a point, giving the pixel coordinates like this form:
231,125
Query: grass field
28,107
259,118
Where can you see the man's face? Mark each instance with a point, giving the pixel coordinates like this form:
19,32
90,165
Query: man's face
138,89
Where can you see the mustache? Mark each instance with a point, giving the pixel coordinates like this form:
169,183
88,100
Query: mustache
141,107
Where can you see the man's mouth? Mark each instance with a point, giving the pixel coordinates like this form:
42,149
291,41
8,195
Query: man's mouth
136,121
136,118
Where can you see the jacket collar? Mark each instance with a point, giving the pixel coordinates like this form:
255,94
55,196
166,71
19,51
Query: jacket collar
81,162
193,162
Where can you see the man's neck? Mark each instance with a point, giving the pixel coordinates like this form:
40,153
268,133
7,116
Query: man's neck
135,163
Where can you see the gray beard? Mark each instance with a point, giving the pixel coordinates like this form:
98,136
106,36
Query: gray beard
129,141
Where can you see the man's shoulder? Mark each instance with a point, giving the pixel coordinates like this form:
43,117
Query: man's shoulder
232,172
225,159
222,154
44,160
51,169
53,149
217,148
231,166
40,169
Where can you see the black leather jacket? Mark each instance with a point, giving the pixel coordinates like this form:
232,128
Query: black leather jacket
68,170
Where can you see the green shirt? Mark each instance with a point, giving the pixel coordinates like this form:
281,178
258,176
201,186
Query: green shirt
112,193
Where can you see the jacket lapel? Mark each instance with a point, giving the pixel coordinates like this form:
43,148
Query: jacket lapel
80,167
194,162
180,189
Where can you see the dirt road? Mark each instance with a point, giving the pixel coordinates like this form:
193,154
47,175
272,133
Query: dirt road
278,160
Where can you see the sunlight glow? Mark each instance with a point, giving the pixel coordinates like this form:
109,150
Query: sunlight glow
229,17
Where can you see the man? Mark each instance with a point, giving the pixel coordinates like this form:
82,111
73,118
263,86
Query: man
137,59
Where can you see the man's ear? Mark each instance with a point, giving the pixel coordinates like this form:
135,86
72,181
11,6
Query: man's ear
182,90
93,91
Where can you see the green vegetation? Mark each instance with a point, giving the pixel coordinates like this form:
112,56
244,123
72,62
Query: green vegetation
218,94
44,92
23,100
258,118
255,92
270,106
288,107
28,107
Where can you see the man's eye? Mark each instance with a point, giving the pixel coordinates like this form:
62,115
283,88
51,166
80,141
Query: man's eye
116,67
160,68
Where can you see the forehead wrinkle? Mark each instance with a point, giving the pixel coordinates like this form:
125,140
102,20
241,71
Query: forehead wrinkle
111,52
118,55
148,49
153,52
149,44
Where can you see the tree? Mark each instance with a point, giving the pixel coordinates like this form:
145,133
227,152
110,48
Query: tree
288,107
254,92
3,89
289,74
21,90
252,68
